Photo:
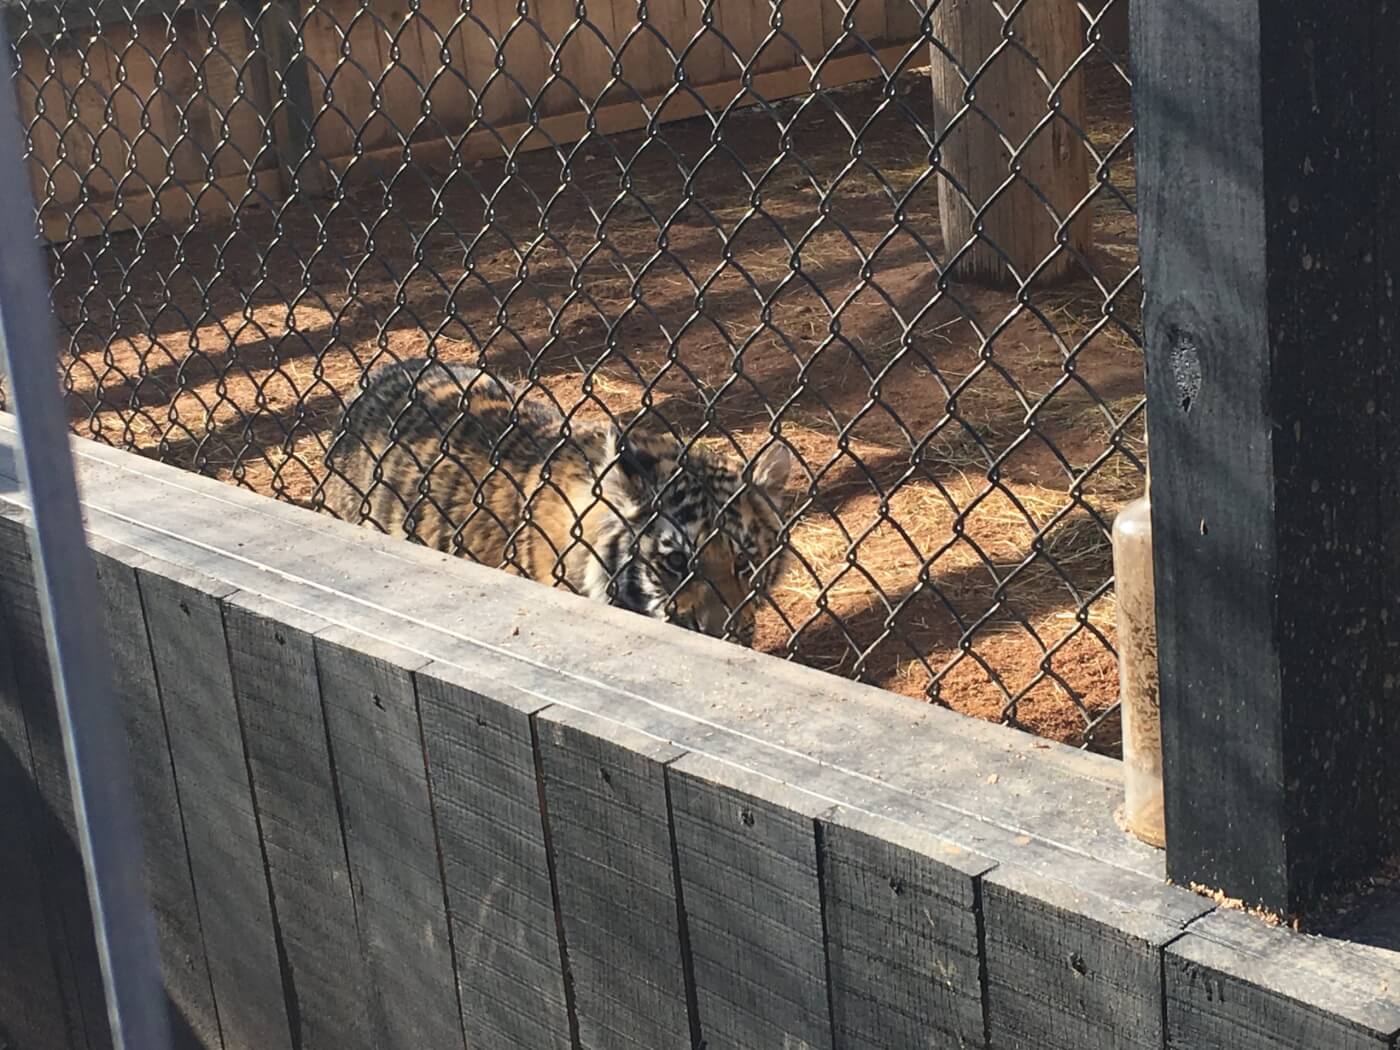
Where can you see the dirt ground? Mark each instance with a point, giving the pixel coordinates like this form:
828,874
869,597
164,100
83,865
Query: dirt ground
960,464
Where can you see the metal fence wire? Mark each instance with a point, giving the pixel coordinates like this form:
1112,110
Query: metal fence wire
850,286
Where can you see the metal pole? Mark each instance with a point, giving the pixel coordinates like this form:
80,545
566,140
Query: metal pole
94,737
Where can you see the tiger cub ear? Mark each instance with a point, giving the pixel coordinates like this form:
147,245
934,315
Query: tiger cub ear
628,472
770,469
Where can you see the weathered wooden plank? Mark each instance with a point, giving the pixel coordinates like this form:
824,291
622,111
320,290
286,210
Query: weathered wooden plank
646,67
869,20
340,87
803,34
968,783
377,759
478,35
133,68
1235,983
746,850
610,837
448,87
238,917
52,823
364,70
181,46
33,1008
406,69
62,182
963,779
293,104
903,19
500,892
238,88
86,141
1386,194
273,663
184,964
1072,968
576,46
902,935
1269,548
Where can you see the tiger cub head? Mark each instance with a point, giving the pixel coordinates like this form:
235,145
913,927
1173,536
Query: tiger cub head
693,537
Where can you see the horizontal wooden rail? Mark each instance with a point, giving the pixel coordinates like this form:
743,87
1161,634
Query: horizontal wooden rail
421,803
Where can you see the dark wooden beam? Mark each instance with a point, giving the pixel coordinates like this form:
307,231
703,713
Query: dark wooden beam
292,100
1265,228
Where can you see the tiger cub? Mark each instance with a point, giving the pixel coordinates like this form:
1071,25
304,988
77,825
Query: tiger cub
692,539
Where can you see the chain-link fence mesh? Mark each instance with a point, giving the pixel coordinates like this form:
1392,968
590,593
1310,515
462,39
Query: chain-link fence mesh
896,240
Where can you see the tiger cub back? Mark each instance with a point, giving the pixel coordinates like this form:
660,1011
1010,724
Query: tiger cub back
456,459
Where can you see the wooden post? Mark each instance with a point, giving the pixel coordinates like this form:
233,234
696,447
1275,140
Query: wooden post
991,99
1109,18
277,30
1266,193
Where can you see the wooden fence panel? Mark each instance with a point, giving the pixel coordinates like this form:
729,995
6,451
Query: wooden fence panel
747,855
376,751
36,1008
340,91
903,20
179,934
131,73
610,834
797,936
52,823
495,859
236,73
137,102
273,661
440,26
902,935
207,94
186,630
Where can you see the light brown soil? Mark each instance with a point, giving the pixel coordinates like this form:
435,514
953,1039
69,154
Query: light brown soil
963,463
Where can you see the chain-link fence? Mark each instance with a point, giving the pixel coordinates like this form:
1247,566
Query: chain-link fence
896,241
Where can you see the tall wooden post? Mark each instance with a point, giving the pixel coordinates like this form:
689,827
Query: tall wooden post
276,25
1267,167
995,83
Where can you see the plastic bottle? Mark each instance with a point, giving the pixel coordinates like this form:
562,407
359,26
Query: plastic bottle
1137,671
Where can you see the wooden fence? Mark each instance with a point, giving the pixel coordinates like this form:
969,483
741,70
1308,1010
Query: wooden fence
392,799
198,104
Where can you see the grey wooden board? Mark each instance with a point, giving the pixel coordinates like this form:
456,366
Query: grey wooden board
52,823
33,1011
934,758
1236,983
1045,809
747,855
980,786
1068,969
902,935
1373,922
273,662
610,836
1273,498
486,796
169,885
377,758
186,631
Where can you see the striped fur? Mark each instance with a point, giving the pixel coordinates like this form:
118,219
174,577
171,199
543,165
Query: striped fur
459,461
